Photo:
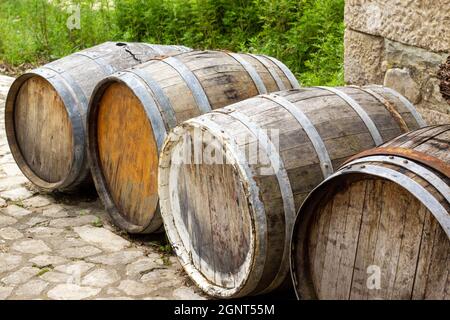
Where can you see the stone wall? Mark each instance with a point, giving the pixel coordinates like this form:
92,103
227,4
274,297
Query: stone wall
400,43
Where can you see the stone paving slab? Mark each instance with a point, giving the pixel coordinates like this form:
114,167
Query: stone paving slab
65,247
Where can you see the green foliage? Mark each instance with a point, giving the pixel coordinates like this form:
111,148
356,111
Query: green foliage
97,222
43,271
307,35
196,23
36,30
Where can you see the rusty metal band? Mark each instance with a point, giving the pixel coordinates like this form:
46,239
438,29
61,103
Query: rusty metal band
406,103
373,130
389,107
417,169
319,146
410,154
251,72
192,82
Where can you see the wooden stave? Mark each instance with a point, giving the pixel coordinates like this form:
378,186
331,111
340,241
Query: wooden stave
209,288
269,289
105,58
140,75
390,167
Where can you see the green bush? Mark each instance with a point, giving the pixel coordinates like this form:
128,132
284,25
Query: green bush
33,31
307,35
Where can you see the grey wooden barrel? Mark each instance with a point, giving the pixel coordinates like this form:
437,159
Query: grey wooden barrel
379,227
46,111
229,215
131,112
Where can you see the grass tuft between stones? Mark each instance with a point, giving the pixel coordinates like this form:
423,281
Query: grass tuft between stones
97,223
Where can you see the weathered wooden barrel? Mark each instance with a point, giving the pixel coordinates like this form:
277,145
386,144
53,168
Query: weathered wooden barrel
379,227
46,111
231,181
131,112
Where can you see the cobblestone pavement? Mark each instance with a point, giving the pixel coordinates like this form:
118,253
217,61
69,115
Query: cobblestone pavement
64,247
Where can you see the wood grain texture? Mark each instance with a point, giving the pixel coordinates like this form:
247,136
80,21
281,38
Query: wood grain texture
396,228
220,247
172,90
389,235
48,142
282,170
134,187
44,130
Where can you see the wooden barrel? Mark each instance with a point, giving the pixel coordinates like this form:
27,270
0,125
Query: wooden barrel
46,111
379,227
131,112
231,181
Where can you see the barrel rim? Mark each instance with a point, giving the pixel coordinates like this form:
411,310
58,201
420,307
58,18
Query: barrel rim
304,287
256,257
70,102
98,177
283,182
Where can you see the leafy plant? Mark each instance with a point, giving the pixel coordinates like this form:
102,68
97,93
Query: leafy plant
97,223
307,35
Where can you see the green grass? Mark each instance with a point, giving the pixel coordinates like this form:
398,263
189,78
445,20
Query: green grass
44,270
307,35
35,31
97,223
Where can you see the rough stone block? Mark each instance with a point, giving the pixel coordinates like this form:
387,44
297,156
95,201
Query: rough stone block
401,81
419,23
363,58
